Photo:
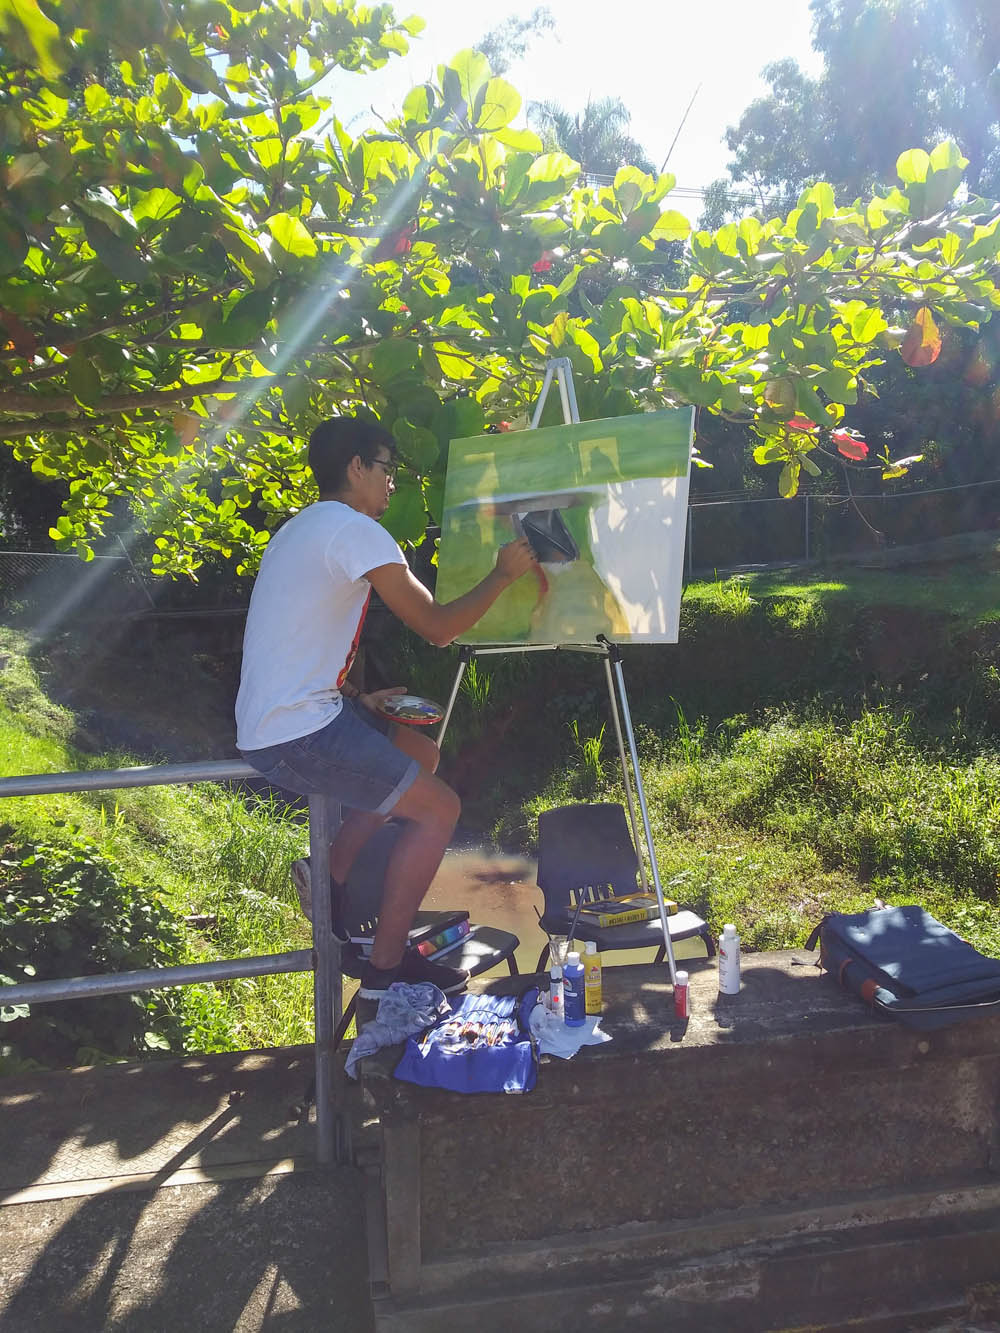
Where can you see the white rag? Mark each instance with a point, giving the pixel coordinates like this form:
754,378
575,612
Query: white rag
405,1009
555,1038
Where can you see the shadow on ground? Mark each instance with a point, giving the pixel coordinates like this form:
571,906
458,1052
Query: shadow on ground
177,1195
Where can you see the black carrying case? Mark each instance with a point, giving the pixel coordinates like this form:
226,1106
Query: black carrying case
906,965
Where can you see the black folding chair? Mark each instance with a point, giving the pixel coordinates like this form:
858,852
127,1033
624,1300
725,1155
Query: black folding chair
585,852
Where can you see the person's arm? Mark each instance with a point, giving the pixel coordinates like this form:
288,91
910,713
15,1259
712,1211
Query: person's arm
439,623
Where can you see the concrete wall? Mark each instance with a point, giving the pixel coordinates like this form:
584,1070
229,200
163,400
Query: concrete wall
780,1159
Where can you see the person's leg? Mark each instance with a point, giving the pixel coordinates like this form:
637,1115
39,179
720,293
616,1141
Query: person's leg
355,762
359,825
431,811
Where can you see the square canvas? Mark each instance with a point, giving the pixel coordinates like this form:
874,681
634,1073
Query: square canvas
604,505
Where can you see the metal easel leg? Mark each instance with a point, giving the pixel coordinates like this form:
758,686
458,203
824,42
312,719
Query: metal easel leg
543,393
327,975
467,655
626,780
614,655
561,369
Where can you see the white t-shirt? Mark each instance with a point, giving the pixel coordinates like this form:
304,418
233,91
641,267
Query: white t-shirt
306,611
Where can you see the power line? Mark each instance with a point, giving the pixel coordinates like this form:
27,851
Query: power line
867,495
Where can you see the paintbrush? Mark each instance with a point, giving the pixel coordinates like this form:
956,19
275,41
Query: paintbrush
576,918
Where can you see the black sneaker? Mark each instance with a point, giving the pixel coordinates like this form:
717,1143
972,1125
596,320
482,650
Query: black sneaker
302,879
375,981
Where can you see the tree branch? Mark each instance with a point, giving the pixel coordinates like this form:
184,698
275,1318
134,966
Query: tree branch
65,402
55,334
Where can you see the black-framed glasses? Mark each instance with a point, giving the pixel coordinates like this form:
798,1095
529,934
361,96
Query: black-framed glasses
390,469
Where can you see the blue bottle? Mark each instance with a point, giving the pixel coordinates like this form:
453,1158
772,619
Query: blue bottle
574,1002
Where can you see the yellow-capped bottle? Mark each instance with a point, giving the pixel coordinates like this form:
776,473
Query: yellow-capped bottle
593,997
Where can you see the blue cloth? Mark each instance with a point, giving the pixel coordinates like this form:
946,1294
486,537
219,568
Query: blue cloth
482,1045
404,1009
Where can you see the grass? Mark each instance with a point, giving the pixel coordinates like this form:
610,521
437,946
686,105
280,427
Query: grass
218,858
967,591
785,820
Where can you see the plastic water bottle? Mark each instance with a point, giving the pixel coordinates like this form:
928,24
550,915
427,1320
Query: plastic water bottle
729,961
574,1003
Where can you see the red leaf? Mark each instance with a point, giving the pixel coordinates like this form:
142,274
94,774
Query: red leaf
922,344
397,242
802,423
850,445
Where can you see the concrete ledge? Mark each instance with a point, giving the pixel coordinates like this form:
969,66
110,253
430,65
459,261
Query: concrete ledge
887,1277
725,1156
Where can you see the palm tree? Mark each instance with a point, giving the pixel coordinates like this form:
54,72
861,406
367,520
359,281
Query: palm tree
597,138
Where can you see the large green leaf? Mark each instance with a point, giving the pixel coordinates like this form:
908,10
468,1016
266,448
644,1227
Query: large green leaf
291,235
671,226
913,165
41,32
467,73
406,518
115,252
244,323
393,359
788,480
496,105
418,104
419,446
459,419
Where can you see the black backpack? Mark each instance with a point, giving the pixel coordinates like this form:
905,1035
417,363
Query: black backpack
906,965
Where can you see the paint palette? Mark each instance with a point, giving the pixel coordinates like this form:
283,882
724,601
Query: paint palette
411,709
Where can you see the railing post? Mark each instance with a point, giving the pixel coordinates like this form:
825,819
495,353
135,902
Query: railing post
327,983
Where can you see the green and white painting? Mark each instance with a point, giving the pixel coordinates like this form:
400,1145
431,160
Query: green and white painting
604,504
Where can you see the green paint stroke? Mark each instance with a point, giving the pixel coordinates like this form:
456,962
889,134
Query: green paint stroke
556,461
560,458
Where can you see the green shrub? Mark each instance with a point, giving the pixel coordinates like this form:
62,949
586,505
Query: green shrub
64,912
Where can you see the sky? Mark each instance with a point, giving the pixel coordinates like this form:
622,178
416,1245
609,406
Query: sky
653,54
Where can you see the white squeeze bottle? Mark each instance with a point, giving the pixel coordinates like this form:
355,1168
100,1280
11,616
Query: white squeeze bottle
556,993
729,961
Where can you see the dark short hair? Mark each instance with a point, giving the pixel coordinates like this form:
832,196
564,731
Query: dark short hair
336,441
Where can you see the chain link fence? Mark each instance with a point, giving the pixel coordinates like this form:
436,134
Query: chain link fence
42,590
730,532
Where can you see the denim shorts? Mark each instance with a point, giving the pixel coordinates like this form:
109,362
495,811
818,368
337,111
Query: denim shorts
351,760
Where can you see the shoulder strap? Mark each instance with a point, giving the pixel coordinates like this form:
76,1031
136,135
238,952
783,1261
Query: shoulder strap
814,934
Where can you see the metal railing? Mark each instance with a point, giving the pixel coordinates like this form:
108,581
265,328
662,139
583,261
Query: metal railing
323,960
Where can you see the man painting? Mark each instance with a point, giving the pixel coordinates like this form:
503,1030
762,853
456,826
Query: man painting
304,726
